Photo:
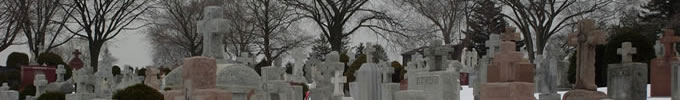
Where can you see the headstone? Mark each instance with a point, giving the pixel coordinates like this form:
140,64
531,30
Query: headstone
213,27
322,77
39,82
675,81
627,80
546,79
585,39
152,80
85,84
493,44
76,63
338,82
661,66
299,57
410,95
510,77
387,71
60,73
7,94
245,59
437,53
199,75
369,78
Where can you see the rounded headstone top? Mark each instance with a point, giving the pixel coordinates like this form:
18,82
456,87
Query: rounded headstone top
237,78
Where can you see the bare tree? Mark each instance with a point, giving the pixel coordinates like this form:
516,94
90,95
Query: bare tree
541,19
175,25
241,38
275,28
9,24
443,16
165,51
102,20
339,19
43,24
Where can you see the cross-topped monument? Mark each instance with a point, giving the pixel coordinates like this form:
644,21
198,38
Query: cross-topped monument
668,40
213,27
437,53
492,44
586,39
626,51
244,58
507,57
299,57
338,82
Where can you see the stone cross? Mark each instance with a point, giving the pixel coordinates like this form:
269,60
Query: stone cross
387,72
76,53
4,87
338,81
299,57
437,54
492,44
586,39
668,40
40,83
368,50
245,59
60,73
212,27
510,34
626,51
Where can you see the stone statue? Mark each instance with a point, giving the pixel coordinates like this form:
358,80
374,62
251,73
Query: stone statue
212,27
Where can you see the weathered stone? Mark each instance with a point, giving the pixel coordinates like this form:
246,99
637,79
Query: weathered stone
213,26
507,91
410,95
660,73
675,87
6,94
627,81
388,90
580,94
202,70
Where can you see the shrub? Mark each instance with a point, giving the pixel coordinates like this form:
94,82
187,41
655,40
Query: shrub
115,70
52,96
399,71
15,59
50,59
138,92
28,90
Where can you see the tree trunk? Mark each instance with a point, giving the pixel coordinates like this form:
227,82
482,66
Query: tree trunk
95,47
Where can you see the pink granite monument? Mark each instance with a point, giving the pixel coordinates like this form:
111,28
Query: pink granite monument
510,77
660,73
586,39
199,74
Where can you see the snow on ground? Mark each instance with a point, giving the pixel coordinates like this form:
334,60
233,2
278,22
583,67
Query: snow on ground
466,94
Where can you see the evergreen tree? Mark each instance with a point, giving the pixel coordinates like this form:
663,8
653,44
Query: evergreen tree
485,19
321,47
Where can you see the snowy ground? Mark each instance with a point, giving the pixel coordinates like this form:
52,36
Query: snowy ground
466,93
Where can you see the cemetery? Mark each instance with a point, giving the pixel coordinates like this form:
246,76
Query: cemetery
339,50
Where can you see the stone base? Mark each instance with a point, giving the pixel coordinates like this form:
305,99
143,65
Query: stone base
627,81
519,73
80,96
410,95
580,94
202,94
9,95
549,96
660,78
507,91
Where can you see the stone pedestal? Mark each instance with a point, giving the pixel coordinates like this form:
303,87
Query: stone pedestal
520,73
440,85
202,70
549,96
80,96
660,78
410,95
627,81
507,91
388,90
203,94
580,94
675,81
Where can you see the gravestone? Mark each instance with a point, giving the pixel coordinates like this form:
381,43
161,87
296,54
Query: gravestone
76,63
245,59
322,76
60,73
338,80
369,78
387,71
585,40
199,75
437,54
510,77
675,81
547,79
7,94
627,80
152,79
213,26
493,44
40,83
298,74
660,72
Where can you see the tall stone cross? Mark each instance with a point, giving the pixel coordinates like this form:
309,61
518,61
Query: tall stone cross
437,53
245,58
668,40
492,44
586,39
338,81
507,57
60,73
76,53
369,52
213,27
299,57
626,51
